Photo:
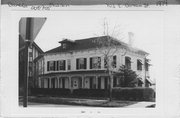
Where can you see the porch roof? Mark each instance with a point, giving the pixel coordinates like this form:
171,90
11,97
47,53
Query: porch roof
76,72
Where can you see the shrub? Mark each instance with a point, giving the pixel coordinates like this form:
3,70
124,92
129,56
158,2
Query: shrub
50,91
91,92
133,93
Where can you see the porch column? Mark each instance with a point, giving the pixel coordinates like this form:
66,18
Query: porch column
50,82
82,79
96,81
57,82
39,82
70,86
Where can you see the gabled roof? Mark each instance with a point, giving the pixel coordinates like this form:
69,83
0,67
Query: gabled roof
92,43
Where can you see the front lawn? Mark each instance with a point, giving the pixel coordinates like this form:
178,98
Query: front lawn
82,102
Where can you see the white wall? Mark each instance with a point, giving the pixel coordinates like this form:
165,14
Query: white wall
93,53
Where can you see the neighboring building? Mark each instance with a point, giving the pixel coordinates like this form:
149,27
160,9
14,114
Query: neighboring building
72,65
33,52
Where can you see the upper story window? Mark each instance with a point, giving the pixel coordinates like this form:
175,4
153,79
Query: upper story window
114,61
139,64
30,66
105,62
69,64
50,65
81,63
95,62
128,62
30,54
61,64
147,66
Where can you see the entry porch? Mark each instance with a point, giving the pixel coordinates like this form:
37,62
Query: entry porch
78,82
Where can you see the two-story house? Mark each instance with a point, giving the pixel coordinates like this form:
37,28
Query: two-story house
33,52
80,64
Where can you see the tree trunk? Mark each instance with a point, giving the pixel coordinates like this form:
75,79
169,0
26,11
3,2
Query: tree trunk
110,86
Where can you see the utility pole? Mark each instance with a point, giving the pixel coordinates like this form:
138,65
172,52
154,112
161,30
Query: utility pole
26,67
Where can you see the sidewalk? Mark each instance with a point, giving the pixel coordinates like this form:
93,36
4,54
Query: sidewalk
140,105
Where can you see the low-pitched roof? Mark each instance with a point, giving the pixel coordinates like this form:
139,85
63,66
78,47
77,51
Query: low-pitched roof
92,43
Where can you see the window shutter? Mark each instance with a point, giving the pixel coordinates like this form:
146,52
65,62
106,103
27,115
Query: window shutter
54,65
77,64
90,63
114,61
48,66
57,65
64,64
105,62
85,60
99,62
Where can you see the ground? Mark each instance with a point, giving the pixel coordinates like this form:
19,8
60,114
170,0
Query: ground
79,102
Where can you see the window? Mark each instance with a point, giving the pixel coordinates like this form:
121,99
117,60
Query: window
105,62
30,66
50,65
61,65
30,54
69,64
81,63
64,45
147,66
128,62
140,82
114,62
139,64
95,62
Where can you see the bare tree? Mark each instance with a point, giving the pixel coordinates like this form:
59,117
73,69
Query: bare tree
108,45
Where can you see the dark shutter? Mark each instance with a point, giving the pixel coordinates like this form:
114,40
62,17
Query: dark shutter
54,65
114,61
90,63
85,60
48,66
77,64
99,62
105,62
64,64
57,65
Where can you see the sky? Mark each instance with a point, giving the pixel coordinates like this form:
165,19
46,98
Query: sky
147,27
